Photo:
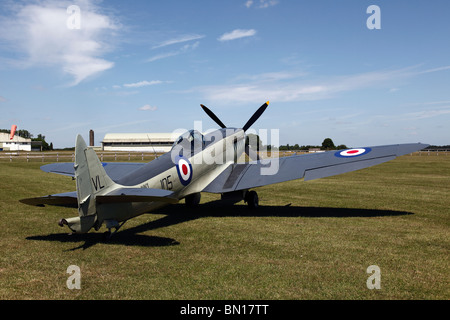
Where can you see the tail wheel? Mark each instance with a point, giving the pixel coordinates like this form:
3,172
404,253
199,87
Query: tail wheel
252,199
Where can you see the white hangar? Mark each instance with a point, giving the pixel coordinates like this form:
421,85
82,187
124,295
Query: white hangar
16,144
138,142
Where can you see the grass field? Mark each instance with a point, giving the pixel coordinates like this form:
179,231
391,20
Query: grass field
308,240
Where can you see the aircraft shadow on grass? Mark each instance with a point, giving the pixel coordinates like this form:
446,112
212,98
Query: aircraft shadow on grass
179,213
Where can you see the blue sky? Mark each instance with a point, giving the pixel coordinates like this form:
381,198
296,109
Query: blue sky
146,66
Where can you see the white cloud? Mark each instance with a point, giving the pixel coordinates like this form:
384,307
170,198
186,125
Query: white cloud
258,91
267,3
38,31
428,113
181,39
236,34
287,86
183,49
436,69
163,56
142,84
148,107
261,3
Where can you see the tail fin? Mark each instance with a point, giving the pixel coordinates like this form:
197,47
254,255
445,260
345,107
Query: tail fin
91,177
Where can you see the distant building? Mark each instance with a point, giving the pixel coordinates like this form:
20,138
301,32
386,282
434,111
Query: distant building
16,144
144,142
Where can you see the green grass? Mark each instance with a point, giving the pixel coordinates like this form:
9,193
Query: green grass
308,240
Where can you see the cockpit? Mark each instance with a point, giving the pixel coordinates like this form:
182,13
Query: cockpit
189,142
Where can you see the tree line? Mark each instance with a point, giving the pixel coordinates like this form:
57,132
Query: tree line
327,144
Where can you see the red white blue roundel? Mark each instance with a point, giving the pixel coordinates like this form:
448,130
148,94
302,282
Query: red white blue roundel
352,152
184,169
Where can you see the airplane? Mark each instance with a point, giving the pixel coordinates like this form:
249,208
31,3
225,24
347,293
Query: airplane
112,193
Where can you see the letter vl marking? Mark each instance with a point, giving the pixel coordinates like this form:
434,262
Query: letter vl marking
97,184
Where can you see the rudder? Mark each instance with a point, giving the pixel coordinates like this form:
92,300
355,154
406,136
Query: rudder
91,178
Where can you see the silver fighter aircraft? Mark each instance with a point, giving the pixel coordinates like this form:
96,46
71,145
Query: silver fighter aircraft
112,193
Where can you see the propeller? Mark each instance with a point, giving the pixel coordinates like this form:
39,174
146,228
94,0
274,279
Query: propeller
255,116
249,151
213,116
249,123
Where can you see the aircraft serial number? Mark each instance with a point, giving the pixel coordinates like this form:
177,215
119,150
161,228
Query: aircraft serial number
166,183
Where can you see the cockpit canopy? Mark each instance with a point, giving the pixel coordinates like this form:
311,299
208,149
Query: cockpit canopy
192,137
188,143
193,141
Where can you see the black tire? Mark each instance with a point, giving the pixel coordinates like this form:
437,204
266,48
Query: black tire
193,200
252,199
107,235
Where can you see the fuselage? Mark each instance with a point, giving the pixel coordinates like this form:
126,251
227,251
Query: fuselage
194,161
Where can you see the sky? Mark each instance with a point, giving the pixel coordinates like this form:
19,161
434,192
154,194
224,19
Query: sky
360,75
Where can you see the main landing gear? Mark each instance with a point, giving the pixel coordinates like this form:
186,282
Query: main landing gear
250,197
252,200
193,199
112,224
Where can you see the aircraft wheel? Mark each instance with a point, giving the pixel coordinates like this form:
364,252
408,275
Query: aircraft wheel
62,222
193,200
252,199
107,235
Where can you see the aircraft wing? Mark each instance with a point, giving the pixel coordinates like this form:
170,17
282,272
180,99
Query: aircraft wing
137,195
307,166
115,170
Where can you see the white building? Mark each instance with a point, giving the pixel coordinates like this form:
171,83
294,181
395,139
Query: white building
143,142
16,144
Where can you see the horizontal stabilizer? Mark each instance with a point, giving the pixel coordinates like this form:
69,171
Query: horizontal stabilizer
137,195
121,195
115,170
68,199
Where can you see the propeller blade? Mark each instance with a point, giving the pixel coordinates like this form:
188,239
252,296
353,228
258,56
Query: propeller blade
213,116
255,116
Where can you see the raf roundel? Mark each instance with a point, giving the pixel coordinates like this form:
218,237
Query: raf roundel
184,169
352,152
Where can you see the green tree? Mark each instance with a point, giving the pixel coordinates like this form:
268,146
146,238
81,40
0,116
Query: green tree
45,145
24,134
328,144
